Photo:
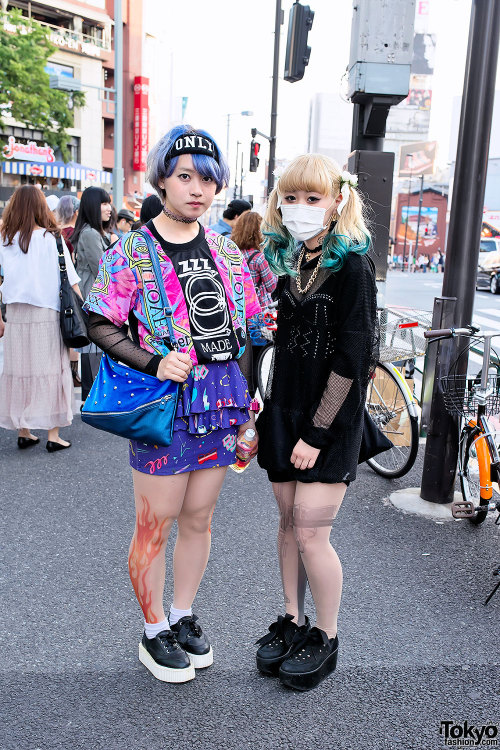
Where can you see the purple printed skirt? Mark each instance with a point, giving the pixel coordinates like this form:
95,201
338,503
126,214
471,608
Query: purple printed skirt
213,403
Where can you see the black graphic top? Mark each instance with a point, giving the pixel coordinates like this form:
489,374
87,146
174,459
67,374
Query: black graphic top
212,331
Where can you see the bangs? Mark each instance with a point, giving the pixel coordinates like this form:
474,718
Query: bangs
308,173
206,166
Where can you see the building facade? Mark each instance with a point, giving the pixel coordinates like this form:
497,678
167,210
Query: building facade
83,34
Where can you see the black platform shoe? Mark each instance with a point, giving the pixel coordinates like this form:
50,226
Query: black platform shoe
24,442
194,641
313,657
165,659
275,646
52,446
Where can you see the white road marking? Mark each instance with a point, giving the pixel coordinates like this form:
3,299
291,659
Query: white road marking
490,311
486,322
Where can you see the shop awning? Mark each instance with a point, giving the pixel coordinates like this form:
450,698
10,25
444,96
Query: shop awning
64,171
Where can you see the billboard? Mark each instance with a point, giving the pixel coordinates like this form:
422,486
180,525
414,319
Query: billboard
417,158
424,50
428,228
141,122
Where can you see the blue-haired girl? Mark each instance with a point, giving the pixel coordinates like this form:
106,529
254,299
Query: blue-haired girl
211,294
311,427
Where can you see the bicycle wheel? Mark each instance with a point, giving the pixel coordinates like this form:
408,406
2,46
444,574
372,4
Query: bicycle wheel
264,368
470,483
393,411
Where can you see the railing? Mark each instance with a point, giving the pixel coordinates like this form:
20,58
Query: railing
71,39
63,37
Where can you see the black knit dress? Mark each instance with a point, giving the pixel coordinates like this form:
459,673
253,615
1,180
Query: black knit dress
325,348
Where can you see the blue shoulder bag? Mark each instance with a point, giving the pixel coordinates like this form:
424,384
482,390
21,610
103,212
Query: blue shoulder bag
133,404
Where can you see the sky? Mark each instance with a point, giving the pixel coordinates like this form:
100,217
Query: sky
222,63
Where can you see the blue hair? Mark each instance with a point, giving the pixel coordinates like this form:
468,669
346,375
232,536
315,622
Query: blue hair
159,167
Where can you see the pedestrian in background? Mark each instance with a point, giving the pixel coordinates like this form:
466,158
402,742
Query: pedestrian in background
230,217
211,294
124,222
36,390
311,426
110,226
66,213
90,241
247,235
151,208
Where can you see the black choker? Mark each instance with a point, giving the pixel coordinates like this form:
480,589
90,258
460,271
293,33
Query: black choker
174,217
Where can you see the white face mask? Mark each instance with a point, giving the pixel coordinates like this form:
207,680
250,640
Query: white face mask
304,222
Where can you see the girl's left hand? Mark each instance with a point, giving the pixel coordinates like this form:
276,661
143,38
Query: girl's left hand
304,456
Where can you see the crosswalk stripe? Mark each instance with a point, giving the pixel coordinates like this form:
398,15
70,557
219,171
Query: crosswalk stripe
486,322
490,311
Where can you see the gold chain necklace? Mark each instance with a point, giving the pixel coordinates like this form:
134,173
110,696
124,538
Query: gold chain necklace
313,275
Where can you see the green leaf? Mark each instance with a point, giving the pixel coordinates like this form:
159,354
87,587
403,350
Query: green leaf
25,94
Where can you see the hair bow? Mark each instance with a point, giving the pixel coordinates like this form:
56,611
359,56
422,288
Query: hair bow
347,181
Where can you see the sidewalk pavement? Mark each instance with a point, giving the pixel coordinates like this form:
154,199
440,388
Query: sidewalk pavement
417,646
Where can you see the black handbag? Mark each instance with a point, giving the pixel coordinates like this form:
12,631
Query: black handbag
71,315
373,440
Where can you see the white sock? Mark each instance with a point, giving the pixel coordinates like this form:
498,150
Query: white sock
153,628
176,614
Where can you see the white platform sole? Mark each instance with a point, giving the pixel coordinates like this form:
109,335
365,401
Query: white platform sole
165,674
200,661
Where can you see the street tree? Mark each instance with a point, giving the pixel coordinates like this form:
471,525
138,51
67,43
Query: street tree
25,93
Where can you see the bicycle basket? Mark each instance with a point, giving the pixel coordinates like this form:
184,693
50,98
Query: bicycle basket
402,333
460,394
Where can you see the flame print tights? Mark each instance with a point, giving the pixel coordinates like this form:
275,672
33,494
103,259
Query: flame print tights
190,500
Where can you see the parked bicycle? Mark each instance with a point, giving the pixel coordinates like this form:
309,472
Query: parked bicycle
391,400
475,399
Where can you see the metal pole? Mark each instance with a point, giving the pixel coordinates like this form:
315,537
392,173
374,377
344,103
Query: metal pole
420,200
241,176
410,156
235,193
118,133
360,142
274,99
462,250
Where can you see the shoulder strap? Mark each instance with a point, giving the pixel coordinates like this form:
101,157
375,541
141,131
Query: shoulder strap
167,311
60,255
252,257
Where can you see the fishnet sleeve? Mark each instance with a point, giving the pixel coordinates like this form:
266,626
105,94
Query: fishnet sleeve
333,397
246,363
116,342
355,343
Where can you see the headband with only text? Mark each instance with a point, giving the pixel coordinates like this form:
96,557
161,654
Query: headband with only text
193,143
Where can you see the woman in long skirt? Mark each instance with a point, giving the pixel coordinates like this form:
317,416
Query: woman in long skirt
36,389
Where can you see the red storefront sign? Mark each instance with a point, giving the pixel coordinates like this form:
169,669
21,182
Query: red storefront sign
141,122
30,151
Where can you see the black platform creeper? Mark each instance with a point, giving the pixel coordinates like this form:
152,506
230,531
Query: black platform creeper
276,645
165,659
313,657
194,641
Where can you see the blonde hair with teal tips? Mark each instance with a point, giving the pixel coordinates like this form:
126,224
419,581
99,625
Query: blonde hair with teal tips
319,174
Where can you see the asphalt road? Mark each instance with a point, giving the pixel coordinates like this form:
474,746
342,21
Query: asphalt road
417,645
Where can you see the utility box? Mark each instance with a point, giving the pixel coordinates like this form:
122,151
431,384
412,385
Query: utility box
381,50
375,170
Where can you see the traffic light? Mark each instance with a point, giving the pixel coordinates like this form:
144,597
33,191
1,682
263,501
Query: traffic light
297,52
254,155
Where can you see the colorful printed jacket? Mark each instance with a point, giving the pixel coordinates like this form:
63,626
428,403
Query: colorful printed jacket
125,275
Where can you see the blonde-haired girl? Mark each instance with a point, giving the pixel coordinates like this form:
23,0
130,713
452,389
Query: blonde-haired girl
311,427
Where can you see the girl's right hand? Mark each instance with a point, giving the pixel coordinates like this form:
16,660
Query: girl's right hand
175,366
